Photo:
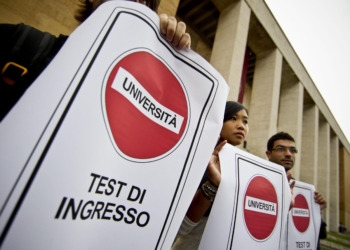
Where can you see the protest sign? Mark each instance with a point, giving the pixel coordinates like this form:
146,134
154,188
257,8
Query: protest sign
107,147
251,206
304,220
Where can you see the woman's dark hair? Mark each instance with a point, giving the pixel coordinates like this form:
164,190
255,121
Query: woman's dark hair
85,9
232,108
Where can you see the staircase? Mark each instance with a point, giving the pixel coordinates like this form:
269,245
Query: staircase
336,241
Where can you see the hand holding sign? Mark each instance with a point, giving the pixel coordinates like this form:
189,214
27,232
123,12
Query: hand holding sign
213,169
291,185
174,32
200,203
320,200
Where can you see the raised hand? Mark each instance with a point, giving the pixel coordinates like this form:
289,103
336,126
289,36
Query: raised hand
213,169
174,32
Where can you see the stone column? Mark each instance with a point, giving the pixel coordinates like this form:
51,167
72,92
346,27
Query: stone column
323,160
290,116
264,100
168,7
230,44
247,96
344,187
333,202
309,145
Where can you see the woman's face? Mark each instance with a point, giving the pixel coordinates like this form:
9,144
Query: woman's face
236,129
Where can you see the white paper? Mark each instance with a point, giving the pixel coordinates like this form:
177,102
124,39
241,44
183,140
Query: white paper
304,220
71,178
251,207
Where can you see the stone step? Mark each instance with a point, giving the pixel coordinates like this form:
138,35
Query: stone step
333,246
338,239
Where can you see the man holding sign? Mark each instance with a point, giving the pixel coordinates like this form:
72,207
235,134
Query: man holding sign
281,150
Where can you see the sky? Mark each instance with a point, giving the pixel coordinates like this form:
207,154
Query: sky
319,31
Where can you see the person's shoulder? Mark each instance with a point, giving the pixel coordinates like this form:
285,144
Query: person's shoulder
8,26
7,29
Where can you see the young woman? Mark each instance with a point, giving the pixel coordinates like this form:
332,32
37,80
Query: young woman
234,131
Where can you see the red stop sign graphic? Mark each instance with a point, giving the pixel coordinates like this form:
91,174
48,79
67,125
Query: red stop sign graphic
145,105
301,213
260,208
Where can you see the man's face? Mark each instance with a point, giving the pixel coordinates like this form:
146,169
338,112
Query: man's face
283,153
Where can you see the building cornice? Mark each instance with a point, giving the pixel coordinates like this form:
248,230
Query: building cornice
270,24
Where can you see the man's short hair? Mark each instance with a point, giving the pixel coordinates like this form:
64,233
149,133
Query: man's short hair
278,136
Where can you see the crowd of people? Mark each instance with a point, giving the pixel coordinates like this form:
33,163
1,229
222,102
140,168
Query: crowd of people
281,147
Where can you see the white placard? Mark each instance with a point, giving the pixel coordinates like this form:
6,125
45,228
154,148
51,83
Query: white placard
251,206
82,167
304,220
